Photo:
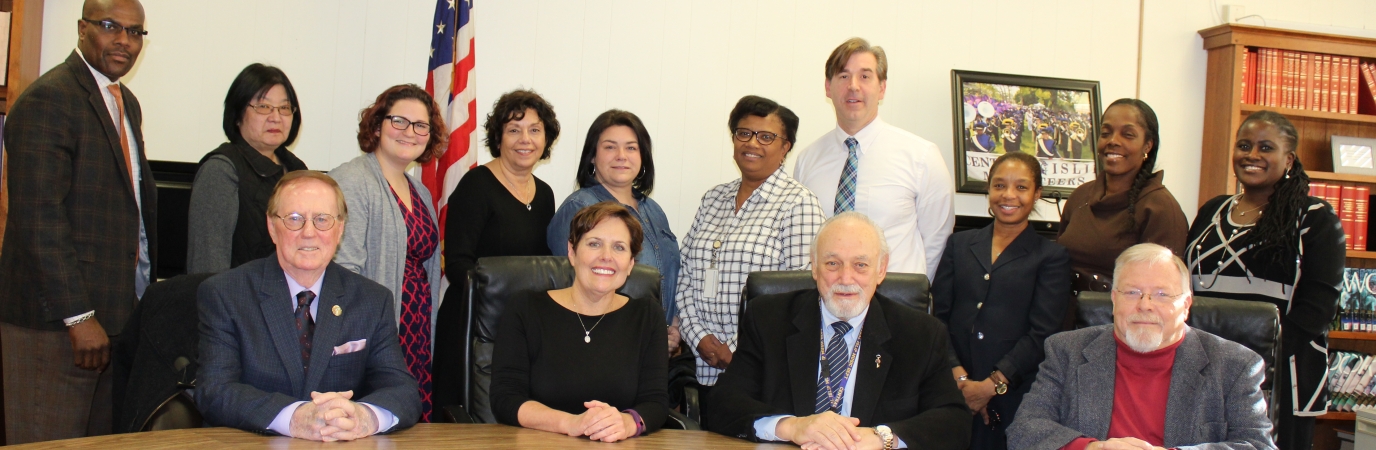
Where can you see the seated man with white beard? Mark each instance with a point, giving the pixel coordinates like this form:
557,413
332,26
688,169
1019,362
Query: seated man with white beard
1148,380
841,367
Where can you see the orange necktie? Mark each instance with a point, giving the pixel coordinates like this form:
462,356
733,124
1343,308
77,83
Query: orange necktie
123,138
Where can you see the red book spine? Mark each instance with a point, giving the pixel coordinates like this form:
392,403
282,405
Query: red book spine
1327,84
1252,78
1349,213
1274,79
1305,84
1316,189
1287,96
1316,84
1263,81
1333,194
1246,74
1344,95
1363,197
1367,102
1353,79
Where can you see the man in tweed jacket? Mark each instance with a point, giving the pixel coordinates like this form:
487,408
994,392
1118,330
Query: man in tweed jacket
1148,380
81,237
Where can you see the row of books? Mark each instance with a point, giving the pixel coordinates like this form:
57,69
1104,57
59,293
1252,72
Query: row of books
1351,203
1351,380
1303,80
1356,301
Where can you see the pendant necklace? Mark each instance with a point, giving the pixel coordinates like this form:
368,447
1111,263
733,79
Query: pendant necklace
507,181
587,332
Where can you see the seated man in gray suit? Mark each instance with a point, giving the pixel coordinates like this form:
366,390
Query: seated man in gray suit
1148,380
296,345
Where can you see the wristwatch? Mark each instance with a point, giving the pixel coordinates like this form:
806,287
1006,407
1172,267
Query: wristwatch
886,435
1000,386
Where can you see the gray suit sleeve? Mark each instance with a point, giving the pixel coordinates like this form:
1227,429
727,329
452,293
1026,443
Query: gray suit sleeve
1039,420
1245,416
222,399
213,214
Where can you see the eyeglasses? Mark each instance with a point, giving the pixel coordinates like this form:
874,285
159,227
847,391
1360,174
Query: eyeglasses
265,109
295,221
1137,295
108,26
765,137
400,123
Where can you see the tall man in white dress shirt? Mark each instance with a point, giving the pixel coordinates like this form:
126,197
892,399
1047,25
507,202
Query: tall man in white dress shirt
866,165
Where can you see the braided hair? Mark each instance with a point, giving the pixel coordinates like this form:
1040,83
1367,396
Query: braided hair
1152,135
1278,229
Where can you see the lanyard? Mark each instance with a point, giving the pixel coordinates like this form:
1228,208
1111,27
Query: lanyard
835,398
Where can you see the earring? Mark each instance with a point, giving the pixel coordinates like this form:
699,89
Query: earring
1287,172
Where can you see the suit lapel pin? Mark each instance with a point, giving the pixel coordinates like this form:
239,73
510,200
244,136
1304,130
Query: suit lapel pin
876,360
337,310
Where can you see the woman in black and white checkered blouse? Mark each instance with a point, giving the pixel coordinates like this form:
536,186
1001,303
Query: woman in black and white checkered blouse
764,220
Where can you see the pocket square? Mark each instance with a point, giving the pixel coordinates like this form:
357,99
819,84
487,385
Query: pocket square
350,347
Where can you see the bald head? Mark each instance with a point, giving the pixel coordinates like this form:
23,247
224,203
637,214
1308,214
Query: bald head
110,35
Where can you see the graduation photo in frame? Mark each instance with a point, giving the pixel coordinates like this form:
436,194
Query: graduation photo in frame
1054,119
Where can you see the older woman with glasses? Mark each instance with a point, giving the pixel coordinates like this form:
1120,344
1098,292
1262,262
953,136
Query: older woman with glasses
229,196
764,220
393,235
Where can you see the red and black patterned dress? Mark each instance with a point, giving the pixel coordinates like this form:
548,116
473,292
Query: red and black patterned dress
422,240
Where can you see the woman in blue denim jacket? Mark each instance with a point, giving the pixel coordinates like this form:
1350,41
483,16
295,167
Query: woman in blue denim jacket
616,165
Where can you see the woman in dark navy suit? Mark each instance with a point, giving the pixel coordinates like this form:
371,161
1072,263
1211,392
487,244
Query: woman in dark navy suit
1001,290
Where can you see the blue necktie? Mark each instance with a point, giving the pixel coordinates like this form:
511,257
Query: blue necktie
845,189
833,375
306,325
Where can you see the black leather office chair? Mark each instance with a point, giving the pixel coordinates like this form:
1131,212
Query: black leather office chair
911,289
154,359
496,279
1255,325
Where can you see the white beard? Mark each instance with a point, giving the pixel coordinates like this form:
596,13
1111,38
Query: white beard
845,311
1143,339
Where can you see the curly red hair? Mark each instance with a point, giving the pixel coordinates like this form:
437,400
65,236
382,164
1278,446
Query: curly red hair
371,118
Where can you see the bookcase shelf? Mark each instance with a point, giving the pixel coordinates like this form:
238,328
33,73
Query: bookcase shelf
1339,416
1291,113
1352,335
1344,177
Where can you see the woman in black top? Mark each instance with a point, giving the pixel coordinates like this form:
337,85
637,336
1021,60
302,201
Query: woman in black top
1001,290
584,360
1274,243
229,197
497,209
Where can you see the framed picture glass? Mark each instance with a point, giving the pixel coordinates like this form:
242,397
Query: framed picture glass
1054,119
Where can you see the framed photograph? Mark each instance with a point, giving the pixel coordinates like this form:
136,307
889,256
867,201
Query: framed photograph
1353,155
1054,119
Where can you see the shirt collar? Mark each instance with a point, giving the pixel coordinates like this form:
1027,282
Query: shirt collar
765,191
101,79
865,136
295,288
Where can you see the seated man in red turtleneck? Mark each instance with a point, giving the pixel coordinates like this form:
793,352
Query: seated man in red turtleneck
1148,381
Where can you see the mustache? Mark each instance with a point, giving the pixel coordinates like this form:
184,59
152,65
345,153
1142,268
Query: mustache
1145,318
845,289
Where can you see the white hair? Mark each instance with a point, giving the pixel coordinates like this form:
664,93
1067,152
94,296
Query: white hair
1150,253
852,215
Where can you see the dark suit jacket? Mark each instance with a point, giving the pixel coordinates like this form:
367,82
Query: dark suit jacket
774,372
251,355
73,230
1215,395
1001,322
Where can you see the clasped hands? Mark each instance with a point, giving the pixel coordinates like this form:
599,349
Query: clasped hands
827,431
1125,443
601,422
977,393
332,416
714,352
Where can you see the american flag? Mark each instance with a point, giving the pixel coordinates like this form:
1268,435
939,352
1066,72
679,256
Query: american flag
452,82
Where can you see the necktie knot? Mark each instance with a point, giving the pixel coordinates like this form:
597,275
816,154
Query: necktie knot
304,298
852,144
114,90
841,327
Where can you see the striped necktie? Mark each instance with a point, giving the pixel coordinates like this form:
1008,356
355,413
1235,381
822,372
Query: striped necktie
845,189
306,325
833,377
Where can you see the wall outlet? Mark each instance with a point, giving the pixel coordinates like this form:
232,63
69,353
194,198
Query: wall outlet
1231,13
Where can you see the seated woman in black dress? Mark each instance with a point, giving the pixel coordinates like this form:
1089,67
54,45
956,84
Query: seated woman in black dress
584,360
1001,290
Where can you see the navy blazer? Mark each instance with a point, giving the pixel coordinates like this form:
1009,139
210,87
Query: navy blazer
906,384
250,354
999,314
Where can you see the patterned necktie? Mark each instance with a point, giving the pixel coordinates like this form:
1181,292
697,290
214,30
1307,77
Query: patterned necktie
845,189
119,122
831,381
306,324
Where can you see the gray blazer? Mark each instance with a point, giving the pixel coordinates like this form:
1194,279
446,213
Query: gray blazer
374,241
1215,395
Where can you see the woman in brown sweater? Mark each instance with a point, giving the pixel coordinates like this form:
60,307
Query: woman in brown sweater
1125,205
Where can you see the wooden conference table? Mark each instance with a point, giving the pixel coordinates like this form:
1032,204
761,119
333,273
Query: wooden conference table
425,435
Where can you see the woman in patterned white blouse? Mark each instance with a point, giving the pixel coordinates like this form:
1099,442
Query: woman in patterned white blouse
1274,243
765,220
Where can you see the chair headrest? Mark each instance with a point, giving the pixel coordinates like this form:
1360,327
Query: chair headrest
910,289
497,278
